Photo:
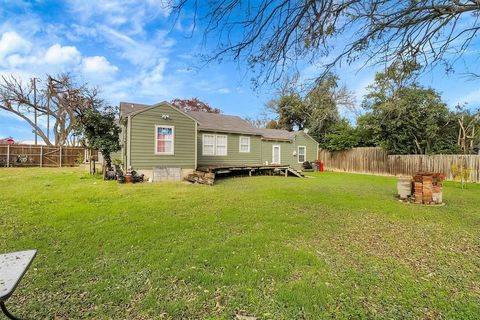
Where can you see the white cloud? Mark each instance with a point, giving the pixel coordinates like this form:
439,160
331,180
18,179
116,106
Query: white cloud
472,97
16,60
39,142
76,32
10,115
132,15
152,81
223,90
147,80
137,52
98,65
118,30
57,54
184,70
11,42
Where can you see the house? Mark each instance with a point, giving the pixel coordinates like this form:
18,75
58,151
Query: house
161,135
8,140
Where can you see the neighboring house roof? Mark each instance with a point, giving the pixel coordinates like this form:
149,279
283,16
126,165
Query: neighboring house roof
7,141
277,134
222,122
128,107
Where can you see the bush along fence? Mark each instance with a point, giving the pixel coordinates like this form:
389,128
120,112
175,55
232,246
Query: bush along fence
376,161
24,155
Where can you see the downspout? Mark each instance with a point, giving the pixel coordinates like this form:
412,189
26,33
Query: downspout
196,145
261,151
129,142
124,143
295,150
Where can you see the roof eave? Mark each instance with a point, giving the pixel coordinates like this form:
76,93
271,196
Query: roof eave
276,139
229,131
160,104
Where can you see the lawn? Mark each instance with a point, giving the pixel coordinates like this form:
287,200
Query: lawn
333,246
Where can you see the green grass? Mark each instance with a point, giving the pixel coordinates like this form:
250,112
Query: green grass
334,246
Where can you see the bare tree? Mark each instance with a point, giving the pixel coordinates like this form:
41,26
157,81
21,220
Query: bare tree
272,35
57,99
194,104
263,120
467,130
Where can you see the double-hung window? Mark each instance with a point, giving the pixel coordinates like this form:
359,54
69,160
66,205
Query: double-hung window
214,145
208,145
164,139
244,144
302,154
221,146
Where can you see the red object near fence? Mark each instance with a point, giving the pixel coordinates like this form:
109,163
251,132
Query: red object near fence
9,141
319,165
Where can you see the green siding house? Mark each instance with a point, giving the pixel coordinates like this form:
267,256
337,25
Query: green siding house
162,136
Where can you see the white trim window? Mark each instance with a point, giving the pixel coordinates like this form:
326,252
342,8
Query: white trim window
302,154
208,144
221,145
244,144
214,145
164,140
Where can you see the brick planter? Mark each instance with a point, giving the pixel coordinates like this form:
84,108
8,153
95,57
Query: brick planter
427,188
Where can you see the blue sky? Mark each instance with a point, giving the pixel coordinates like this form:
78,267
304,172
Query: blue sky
134,53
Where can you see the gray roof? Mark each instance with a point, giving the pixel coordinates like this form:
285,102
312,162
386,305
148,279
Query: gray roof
277,134
218,122
222,123
128,107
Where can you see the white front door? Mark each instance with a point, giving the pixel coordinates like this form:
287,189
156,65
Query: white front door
276,154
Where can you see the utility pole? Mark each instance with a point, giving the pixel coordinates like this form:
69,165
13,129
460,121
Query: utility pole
48,106
34,80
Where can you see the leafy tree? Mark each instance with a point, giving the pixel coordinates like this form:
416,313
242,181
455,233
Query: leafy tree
99,130
321,105
367,130
406,118
341,137
194,104
461,172
317,110
272,124
290,110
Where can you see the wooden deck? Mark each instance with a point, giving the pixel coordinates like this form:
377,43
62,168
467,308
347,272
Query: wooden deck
240,167
207,174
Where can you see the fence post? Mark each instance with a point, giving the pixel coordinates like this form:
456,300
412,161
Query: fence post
41,156
8,155
60,156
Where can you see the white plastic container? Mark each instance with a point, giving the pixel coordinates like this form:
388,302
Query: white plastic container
404,187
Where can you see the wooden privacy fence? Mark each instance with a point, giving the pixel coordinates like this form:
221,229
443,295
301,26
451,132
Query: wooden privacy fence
24,155
376,161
